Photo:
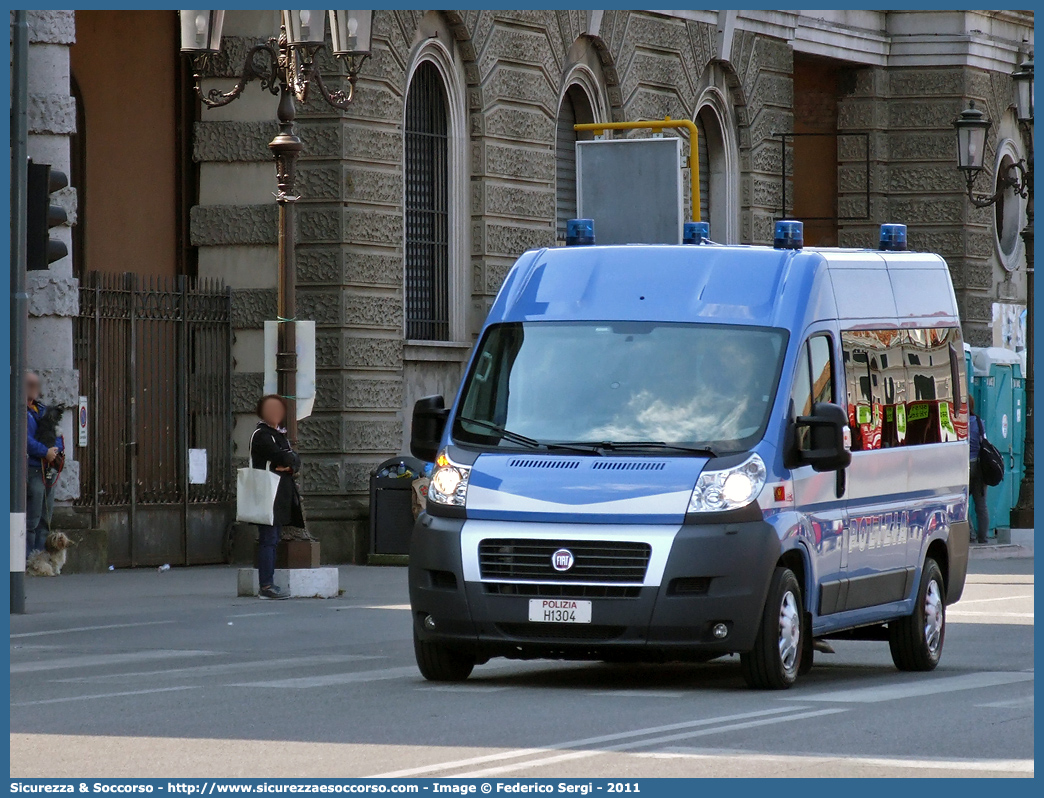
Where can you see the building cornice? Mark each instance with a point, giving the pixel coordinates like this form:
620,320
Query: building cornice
990,40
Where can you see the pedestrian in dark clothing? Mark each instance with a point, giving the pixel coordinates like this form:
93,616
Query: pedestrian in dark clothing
270,449
976,486
39,504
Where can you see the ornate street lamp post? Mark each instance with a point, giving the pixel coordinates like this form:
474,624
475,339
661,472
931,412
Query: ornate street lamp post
286,67
972,126
1022,514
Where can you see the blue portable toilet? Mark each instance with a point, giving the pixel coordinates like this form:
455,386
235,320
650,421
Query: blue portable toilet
999,397
1018,436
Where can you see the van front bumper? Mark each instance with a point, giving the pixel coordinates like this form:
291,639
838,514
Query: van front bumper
714,574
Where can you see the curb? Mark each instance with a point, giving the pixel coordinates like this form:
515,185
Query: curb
999,551
388,559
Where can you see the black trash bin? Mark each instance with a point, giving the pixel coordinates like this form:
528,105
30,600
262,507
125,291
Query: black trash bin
391,504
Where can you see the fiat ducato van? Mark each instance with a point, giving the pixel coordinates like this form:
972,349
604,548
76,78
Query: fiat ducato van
664,453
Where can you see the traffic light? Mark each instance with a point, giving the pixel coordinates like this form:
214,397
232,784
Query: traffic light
41,249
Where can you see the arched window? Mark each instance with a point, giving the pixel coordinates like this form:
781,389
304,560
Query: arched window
427,207
719,200
704,163
575,109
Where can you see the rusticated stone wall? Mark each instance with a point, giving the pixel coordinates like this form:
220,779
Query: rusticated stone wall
765,67
518,61
914,181
53,294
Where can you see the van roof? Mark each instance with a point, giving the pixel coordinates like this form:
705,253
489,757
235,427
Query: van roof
750,285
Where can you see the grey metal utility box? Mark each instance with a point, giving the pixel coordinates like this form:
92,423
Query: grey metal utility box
632,189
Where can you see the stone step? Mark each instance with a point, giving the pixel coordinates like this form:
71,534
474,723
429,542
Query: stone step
301,582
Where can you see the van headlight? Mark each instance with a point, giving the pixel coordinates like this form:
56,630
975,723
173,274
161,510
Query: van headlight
449,482
730,488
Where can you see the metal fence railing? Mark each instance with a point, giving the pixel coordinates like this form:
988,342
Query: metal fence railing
155,363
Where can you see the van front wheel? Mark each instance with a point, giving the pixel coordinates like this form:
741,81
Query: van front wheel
440,663
775,660
916,641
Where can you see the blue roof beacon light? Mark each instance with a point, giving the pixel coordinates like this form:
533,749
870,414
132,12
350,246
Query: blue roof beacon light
696,233
580,232
790,234
893,238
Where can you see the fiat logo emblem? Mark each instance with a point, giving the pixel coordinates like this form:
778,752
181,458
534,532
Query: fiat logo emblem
562,560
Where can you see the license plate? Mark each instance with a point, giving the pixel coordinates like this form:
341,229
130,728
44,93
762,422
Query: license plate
559,611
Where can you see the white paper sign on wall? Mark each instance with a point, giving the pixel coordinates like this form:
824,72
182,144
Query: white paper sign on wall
305,335
197,466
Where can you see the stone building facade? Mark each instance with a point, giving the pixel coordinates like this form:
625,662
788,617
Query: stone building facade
872,95
53,298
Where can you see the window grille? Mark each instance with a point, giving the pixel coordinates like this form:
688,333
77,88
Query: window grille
427,207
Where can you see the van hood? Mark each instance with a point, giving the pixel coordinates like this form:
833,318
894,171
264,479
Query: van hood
582,489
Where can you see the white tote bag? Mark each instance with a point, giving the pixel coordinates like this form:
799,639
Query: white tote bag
255,494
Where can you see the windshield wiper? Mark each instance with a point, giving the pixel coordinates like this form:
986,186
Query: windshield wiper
623,446
525,440
506,434
583,447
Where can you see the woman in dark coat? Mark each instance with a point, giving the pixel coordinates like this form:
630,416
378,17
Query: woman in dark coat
270,448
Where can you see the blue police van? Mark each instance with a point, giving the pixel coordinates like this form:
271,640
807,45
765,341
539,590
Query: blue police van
667,453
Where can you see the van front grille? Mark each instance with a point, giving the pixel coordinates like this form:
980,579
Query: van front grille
563,591
594,560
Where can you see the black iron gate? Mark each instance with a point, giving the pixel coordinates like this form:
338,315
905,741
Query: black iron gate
155,363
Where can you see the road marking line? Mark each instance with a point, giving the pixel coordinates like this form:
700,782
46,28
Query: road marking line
982,765
333,679
90,628
102,695
973,613
359,677
638,693
226,667
1011,703
35,647
999,579
254,614
461,688
550,760
97,660
918,688
995,598
605,738
373,607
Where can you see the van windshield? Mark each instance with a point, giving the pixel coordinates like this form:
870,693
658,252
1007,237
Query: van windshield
542,383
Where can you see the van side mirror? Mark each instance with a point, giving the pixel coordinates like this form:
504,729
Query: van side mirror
830,438
429,422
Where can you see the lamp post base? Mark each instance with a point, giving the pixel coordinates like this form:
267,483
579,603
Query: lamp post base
1022,512
1022,518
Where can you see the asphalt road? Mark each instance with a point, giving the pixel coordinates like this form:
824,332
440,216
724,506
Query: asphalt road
167,675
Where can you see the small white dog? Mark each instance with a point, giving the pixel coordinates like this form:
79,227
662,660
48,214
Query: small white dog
50,561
